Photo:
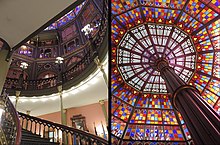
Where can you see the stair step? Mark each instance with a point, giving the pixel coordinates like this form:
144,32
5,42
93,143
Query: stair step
29,138
36,142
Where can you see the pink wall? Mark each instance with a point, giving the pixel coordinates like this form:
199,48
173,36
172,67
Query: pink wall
92,112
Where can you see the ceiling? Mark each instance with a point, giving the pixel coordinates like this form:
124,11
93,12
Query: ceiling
20,19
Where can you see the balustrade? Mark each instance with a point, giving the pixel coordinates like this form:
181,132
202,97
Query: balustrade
59,133
10,129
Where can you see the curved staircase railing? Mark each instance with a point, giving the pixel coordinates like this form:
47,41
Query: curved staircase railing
58,133
10,129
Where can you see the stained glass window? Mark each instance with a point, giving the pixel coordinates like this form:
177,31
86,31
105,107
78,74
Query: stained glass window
187,34
66,18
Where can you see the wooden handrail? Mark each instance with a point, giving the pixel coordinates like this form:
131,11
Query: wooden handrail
12,136
17,122
35,124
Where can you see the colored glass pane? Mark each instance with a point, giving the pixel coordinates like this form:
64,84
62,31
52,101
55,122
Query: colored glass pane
217,107
177,4
214,29
154,117
186,132
135,16
173,133
194,25
148,14
154,132
114,140
172,16
206,15
114,103
200,81
117,127
162,3
143,101
204,45
123,111
214,86
205,68
169,117
125,20
126,95
205,58
194,7
202,35
115,80
210,97
216,42
161,14
180,118
117,7
185,19
117,31
135,132
216,3
66,18
154,102
216,69
165,103
147,2
139,116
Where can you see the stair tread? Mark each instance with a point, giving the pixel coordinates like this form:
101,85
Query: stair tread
34,139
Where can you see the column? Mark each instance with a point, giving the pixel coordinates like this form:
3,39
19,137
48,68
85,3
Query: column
5,64
201,120
61,105
63,122
102,102
17,93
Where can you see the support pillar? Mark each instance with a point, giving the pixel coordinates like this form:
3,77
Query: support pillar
61,105
4,67
202,121
17,93
63,122
102,102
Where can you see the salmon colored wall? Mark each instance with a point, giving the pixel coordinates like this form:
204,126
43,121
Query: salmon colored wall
92,112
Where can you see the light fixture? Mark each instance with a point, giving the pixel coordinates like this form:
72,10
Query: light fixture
87,29
24,65
59,60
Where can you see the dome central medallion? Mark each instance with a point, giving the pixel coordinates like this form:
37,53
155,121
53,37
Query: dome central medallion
142,46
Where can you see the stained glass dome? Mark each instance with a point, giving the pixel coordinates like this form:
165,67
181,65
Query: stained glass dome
187,34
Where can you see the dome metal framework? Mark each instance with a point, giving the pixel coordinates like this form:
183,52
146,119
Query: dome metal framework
142,46
186,34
